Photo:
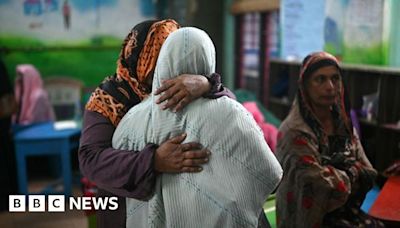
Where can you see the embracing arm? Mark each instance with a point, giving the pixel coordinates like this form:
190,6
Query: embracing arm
132,173
121,172
181,90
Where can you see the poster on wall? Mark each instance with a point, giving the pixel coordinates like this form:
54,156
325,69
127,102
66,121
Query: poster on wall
69,22
391,33
333,26
362,33
302,28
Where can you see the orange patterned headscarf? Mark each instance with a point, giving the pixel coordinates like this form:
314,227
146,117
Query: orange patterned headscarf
137,60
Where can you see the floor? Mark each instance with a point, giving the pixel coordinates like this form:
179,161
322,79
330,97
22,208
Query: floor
74,219
77,218
71,219
67,219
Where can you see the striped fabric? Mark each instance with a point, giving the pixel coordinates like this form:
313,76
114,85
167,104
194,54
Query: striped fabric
242,171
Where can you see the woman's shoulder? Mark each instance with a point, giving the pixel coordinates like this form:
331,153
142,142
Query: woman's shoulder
141,109
219,110
296,132
291,126
222,104
295,124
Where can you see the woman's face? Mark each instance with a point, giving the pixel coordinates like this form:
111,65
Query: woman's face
324,86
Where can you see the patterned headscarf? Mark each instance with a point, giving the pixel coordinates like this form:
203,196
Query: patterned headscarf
137,60
340,109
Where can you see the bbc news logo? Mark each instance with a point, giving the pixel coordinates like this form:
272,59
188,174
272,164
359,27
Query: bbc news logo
57,203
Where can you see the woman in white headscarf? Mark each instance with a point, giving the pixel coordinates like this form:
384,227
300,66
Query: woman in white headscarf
243,171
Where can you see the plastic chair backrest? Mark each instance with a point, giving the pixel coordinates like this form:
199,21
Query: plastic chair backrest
65,95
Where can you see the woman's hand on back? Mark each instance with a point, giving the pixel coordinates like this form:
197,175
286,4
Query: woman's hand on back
174,157
180,91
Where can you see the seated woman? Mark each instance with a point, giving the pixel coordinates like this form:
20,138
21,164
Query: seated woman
327,173
32,99
242,171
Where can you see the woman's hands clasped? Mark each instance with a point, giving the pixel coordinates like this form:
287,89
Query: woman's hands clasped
181,90
174,157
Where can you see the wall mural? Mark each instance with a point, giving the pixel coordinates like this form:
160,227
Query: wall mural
70,21
74,38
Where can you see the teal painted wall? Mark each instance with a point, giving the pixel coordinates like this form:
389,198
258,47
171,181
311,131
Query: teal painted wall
228,70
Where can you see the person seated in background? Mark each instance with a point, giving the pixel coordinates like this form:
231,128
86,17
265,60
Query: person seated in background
8,173
270,131
32,99
242,171
327,173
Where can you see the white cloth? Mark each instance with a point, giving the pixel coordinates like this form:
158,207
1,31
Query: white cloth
242,171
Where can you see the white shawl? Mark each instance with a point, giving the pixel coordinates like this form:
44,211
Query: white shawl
242,171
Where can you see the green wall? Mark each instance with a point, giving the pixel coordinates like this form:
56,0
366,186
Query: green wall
84,61
228,70
88,66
